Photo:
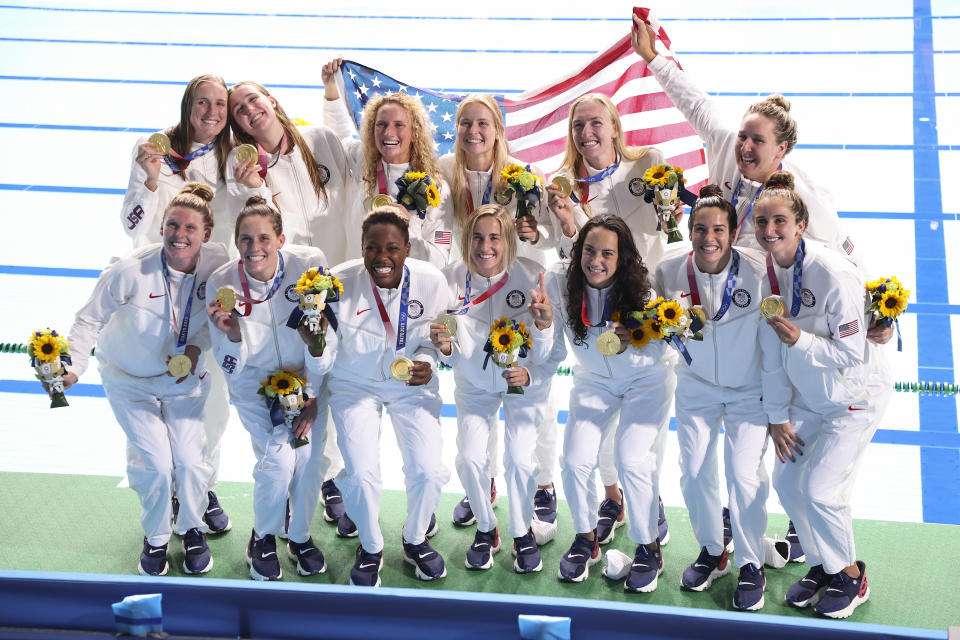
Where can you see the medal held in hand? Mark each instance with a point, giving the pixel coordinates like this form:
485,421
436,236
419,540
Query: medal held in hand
247,154
400,369
772,306
179,365
48,352
608,343
449,324
227,298
160,141
563,183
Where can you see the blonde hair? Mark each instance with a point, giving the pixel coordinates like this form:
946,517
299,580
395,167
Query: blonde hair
422,156
573,161
508,234
776,108
501,156
195,196
290,129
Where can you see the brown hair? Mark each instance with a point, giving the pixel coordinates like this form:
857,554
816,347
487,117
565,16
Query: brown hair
316,179
712,196
195,196
181,134
257,206
777,109
508,233
779,186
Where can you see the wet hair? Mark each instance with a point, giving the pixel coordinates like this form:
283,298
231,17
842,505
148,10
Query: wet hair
631,286
779,186
573,161
777,109
508,234
712,196
257,206
422,155
195,196
316,179
501,156
181,134
385,215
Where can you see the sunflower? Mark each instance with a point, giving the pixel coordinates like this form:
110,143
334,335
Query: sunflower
502,339
414,175
46,347
893,303
433,195
337,284
511,171
669,313
307,280
300,122
284,382
657,175
653,328
654,303
875,284
640,337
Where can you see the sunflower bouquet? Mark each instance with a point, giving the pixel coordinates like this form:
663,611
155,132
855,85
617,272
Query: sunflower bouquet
525,185
664,185
316,287
660,320
48,352
417,192
507,342
887,298
283,391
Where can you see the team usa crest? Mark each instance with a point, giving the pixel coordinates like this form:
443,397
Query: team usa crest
324,173
741,298
415,309
290,294
202,291
515,299
807,298
636,187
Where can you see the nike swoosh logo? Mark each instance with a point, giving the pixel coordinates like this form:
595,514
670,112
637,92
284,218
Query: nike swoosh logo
575,555
460,298
425,555
362,310
522,549
192,548
211,510
364,566
203,376
853,408
157,296
685,295
705,566
268,554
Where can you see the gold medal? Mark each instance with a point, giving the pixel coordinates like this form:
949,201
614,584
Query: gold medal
400,369
608,343
380,200
247,154
160,141
227,298
179,366
450,324
564,184
772,306
696,313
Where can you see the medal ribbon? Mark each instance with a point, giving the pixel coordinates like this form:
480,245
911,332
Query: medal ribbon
263,156
246,285
586,181
733,201
193,155
467,303
797,279
401,334
185,325
486,197
728,290
603,318
381,180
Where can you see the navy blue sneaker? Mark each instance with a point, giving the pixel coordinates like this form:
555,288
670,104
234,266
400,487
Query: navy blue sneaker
366,568
153,560
749,593
575,563
809,589
527,554
463,513
663,529
545,505
796,551
727,531
428,562
309,559
480,553
346,527
432,528
844,594
332,501
215,517
707,568
647,567
610,516
196,553
262,557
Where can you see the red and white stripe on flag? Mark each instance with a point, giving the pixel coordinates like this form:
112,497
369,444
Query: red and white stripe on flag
442,237
536,121
848,329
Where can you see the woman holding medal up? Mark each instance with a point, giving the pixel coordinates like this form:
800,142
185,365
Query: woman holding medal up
252,339
493,284
606,275
395,139
145,318
820,435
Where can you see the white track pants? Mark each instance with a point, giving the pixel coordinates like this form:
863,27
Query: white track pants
546,448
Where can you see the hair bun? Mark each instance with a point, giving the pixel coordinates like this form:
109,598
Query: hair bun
780,180
255,200
710,191
779,100
198,189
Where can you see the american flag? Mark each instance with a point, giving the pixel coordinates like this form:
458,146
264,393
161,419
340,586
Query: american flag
536,120
442,237
848,329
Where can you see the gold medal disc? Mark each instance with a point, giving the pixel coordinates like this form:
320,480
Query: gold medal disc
449,322
564,184
380,200
179,366
696,313
247,154
608,343
160,141
227,298
772,306
400,369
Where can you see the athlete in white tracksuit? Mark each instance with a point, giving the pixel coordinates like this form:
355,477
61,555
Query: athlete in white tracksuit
267,344
128,317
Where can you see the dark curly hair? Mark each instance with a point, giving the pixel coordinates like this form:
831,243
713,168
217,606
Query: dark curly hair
631,286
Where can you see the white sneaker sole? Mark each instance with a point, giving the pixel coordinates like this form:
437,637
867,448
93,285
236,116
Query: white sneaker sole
755,607
583,576
666,539
714,575
420,574
166,567
845,613
647,588
204,570
613,531
488,564
812,600
256,576
303,572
